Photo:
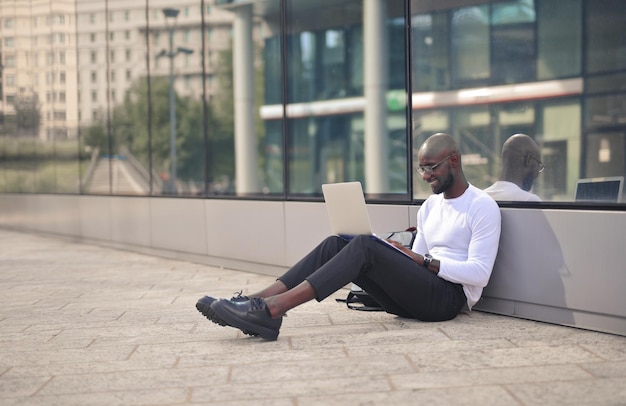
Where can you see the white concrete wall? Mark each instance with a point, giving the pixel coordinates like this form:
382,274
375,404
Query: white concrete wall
560,266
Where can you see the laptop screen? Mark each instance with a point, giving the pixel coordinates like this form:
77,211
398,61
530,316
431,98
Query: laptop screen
346,207
600,189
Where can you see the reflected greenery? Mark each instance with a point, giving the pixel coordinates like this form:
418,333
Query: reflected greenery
25,170
132,122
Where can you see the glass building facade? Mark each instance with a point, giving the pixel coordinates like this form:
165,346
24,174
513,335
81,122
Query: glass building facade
273,98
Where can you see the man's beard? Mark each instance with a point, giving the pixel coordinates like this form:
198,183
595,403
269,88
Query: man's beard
444,184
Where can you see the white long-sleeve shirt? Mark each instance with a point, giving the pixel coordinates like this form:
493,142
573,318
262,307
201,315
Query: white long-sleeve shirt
463,234
503,190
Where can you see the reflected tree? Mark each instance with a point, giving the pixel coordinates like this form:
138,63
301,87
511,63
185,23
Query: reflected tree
130,121
221,150
129,126
27,118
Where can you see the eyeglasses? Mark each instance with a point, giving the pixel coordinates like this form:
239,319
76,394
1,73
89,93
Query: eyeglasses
429,169
539,163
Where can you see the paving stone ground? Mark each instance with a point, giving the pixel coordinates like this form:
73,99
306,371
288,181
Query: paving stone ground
89,325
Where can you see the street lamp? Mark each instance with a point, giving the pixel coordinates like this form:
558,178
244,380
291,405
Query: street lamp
171,14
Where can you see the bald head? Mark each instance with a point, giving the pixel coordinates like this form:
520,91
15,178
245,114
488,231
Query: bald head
438,144
521,144
520,158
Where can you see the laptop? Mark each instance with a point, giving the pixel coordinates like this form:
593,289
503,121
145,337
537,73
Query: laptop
607,189
346,208
347,211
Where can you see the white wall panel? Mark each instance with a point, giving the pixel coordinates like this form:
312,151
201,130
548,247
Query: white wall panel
568,263
57,214
306,225
246,230
562,259
95,217
413,215
594,244
15,211
178,224
130,221
386,218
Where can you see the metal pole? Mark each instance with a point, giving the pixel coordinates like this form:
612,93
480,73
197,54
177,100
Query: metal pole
171,55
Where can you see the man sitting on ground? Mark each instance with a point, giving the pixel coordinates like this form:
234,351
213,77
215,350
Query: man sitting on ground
446,270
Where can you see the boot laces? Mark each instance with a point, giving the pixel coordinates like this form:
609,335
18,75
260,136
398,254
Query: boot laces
257,303
239,297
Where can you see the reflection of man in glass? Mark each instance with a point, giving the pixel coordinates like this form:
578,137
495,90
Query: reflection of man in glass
521,164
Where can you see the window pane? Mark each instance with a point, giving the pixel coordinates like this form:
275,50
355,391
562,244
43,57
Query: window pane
175,131
94,133
273,70
300,54
247,148
38,128
605,139
21,165
430,41
559,38
607,110
560,149
479,148
513,42
605,45
470,44
345,122
605,154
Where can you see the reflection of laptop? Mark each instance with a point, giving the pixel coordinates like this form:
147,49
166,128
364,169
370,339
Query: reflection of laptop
347,211
607,189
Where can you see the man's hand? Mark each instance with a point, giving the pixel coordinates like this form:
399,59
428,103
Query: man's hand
404,249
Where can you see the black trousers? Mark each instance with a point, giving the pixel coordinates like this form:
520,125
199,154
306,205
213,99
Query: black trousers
400,285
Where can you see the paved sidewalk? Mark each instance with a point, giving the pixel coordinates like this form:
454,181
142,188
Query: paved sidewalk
87,325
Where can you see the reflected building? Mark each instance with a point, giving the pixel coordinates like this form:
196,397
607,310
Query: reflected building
39,67
78,58
479,70
298,93
119,42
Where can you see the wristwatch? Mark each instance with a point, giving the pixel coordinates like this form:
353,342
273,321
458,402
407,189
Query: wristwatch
427,260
